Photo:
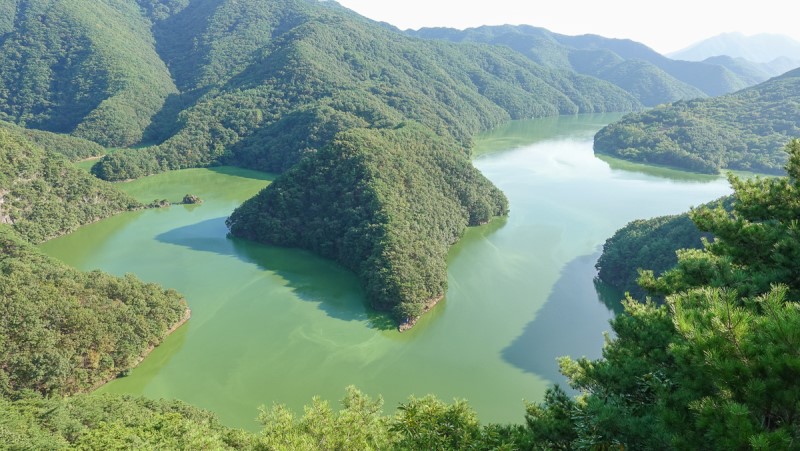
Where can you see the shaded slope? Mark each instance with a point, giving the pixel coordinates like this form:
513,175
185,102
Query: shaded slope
87,68
745,130
42,195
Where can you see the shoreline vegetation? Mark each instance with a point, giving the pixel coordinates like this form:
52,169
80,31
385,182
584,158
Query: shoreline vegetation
124,373
78,329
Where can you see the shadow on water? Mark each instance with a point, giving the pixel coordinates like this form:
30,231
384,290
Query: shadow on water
476,234
243,172
571,323
610,296
310,277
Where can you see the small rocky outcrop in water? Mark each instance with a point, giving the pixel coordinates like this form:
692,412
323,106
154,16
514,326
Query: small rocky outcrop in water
190,199
163,203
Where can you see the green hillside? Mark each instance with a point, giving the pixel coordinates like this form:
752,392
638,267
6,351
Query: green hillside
73,148
651,77
42,195
85,68
745,130
386,203
265,82
649,244
64,331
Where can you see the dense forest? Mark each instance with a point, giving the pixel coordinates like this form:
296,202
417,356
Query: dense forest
85,68
648,75
64,331
717,365
267,82
386,203
650,244
43,196
745,130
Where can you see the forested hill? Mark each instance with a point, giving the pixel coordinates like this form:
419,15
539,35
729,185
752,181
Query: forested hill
42,195
745,130
650,76
386,203
64,331
224,78
262,83
89,68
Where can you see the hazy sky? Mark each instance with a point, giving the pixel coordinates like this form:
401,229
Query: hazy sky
665,26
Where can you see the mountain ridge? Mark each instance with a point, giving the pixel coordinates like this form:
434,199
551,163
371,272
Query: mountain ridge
745,130
597,56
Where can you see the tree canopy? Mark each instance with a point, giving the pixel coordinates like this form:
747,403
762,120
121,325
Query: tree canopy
717,365
43,196
385,203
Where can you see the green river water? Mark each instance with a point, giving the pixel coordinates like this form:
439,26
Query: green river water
272,325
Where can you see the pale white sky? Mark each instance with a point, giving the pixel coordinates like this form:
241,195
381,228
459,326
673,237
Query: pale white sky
665,26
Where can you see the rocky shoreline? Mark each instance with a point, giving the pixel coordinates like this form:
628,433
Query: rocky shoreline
410,322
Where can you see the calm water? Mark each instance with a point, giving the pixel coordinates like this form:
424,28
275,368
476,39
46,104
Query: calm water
279,325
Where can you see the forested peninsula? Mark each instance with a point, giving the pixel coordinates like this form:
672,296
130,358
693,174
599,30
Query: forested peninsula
63,331
744,131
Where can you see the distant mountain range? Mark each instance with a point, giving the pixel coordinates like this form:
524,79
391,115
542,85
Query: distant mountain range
760,48
636,68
